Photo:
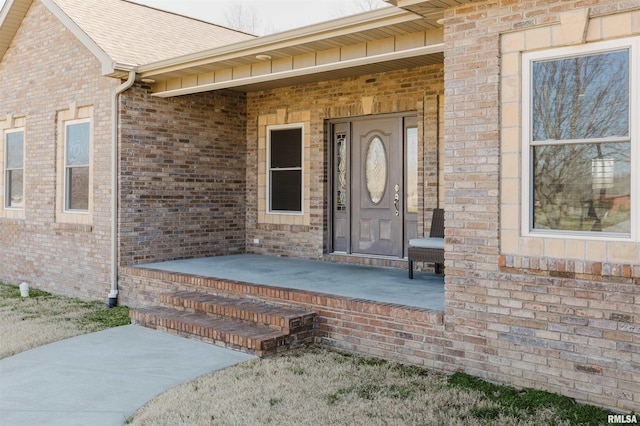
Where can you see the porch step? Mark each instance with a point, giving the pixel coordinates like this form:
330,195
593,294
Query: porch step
237,323
284,318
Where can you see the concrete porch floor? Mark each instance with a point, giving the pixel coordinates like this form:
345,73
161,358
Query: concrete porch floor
378,284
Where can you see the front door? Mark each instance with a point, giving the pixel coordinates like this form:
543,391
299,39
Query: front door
377,188
369,214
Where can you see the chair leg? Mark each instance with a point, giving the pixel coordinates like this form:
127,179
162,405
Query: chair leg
410,269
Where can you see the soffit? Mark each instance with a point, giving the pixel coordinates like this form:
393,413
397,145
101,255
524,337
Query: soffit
11,16
426,7
372,42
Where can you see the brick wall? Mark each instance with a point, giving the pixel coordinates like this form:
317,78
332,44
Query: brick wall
46,70
402,333
314,104
565,324
182,178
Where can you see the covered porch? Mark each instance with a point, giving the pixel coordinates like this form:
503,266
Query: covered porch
376,284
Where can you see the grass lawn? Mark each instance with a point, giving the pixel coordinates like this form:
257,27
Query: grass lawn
44,318
311,386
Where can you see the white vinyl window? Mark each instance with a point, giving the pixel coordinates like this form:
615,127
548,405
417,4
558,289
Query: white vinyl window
14,169
284,168
77,148
580,135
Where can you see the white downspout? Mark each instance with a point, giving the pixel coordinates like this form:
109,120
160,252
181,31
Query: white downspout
113,294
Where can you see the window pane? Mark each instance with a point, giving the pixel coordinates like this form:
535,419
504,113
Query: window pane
286,190
412,169
286,148
341,184
78,144
15,185
581,97
78,188
582,187
15,150
375,171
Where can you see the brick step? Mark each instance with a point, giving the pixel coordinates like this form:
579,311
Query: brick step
231,333
284,318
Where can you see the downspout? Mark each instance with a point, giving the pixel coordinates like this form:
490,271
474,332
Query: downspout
113,294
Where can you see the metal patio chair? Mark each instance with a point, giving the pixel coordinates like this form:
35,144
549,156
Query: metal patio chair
429,249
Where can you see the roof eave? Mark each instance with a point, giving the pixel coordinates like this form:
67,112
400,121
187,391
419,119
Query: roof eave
426,7
346,25
245,83
11,16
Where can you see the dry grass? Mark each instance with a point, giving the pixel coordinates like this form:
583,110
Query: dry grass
317,387
43,318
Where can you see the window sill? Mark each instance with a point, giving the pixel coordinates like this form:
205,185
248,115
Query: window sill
282,227
590,236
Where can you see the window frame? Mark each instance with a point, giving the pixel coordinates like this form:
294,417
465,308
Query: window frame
65,168
269,169
6,170
528,58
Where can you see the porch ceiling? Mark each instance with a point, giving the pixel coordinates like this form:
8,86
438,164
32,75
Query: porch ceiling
377,41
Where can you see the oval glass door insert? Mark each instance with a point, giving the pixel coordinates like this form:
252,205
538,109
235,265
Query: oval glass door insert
376,170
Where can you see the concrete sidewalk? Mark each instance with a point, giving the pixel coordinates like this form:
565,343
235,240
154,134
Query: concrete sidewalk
101,378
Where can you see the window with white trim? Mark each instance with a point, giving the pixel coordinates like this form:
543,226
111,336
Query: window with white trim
14,169
77,147
284,168
581,141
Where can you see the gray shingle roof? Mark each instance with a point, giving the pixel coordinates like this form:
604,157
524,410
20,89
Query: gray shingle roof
134,34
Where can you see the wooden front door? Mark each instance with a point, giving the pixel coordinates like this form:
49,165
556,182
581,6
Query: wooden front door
369,213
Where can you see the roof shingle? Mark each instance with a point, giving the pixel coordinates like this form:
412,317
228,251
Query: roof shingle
134,34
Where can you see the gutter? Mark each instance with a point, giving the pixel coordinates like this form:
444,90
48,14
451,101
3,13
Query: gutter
113,294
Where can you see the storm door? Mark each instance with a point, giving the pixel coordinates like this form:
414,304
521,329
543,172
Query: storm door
369,186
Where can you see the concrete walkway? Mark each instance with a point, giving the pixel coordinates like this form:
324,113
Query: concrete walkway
101,378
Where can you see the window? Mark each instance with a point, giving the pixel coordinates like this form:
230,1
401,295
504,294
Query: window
580,140
285,168
76,166
411,161
14,169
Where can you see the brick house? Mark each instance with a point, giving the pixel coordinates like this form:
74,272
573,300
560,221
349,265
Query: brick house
516,117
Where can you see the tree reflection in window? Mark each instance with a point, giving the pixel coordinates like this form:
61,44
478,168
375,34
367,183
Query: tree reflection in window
579,122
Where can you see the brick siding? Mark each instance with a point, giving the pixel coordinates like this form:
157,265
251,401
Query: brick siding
568,326
182,176
322,101
386,330
42,75
189,188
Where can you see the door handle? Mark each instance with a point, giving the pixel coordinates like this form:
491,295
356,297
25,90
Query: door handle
396,198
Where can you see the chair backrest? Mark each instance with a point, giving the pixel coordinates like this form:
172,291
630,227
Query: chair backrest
437,224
